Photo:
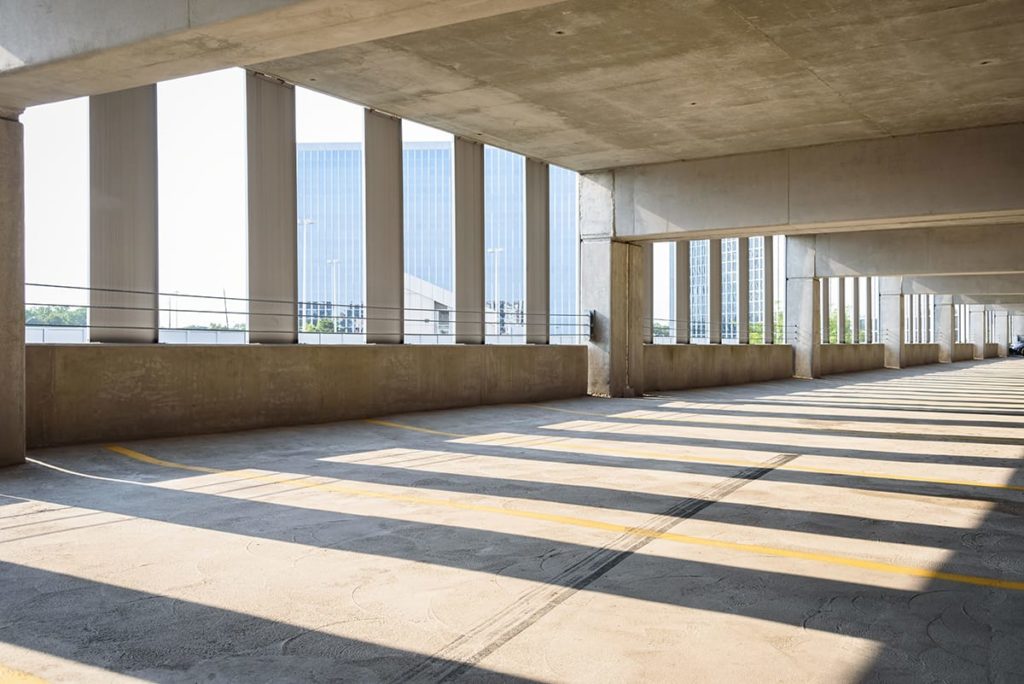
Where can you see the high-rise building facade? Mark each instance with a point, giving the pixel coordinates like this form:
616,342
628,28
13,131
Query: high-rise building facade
331,245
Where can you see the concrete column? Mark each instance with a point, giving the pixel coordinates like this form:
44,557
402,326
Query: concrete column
945,327
715,291
1001,323
976,312
123,216
891,322
12,294
611,288
1016,325
841,309
869,311
538,246
855,323
469,241
682,312
743,290
648,291
273,245
385,252
826,310
803,306
769,289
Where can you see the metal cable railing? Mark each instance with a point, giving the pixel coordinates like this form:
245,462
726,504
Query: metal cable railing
317,321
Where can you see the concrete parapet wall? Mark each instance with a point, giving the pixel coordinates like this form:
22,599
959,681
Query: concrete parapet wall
850,358
963,351
90,393
991,350
681,366
919,355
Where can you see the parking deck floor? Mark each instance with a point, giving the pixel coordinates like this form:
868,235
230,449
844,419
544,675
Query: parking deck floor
865,527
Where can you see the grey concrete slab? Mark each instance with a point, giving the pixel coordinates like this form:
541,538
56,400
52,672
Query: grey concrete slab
860,528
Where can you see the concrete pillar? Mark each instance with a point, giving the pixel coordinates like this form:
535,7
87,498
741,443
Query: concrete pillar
385,253
826,310
769,289
841,309
123,216
743,290
682,312
1016,325
273,246
945,327
12,294
869,311
469,241
648,291
611,288
977,314
1001,323
538,246
715,291
803,305
891,321
855,323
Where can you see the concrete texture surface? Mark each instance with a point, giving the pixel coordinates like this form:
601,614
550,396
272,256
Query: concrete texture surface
917,354
78,394
963,351
683,366
859,528
592,84
851,358
12,294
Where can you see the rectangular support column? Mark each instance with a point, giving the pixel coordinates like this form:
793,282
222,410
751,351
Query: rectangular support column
977,314
826,310
891,321
538,245
1016,325
743,290
469,241
611,287
273,245
123,216
869,311
385,252
682,312
945,327
647,263
12,294
1001,323
769,289
803,306
715,291
855,322
841,311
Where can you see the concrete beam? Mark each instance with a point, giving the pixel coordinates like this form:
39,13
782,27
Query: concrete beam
468,180
123,216
273,247
974,250
385,252
538,246
969,176
995,284
12,294
992,301
52,51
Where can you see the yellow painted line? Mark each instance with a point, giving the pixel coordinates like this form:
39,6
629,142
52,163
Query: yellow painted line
9,675
388,423
589,523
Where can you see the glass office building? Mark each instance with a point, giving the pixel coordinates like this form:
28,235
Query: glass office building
699,319
331,249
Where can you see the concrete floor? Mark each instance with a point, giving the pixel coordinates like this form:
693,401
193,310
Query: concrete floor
859,528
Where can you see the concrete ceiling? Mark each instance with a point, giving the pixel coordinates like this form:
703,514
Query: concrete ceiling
592,84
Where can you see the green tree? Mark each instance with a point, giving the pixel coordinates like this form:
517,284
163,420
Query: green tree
73,316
